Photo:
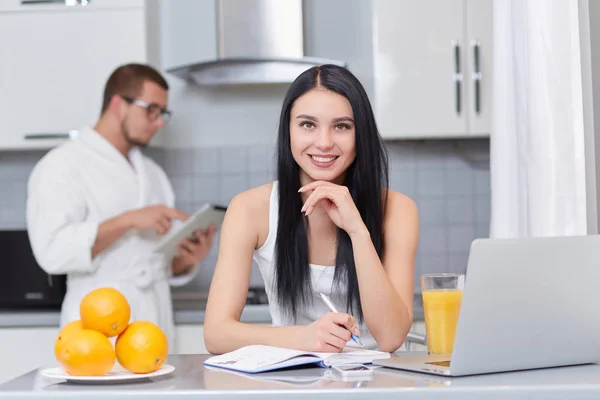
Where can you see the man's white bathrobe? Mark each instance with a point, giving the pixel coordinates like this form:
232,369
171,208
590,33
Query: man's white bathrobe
74,188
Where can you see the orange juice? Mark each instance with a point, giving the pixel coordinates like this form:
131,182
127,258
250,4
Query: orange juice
441,307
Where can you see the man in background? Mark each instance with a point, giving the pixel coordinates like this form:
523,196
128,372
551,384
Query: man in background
97,206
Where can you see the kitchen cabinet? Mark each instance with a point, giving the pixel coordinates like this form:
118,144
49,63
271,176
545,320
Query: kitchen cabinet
36,5
189,339
55,62
432,68
24,349
27,348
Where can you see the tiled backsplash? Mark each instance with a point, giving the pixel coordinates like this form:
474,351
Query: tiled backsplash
448,179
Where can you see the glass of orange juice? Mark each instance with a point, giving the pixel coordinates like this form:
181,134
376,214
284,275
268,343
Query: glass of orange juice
442,294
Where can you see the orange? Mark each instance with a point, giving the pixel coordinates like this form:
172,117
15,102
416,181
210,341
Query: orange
87,353
142,348
105,310
65,334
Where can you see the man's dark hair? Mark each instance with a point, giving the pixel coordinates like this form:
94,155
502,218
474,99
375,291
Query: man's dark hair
127,80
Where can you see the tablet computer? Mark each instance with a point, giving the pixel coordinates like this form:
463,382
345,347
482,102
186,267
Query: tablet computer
205,216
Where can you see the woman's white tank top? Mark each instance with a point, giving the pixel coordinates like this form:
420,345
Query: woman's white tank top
322,282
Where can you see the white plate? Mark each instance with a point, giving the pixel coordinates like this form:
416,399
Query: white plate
118,374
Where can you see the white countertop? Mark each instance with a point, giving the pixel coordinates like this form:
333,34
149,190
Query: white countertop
19,319
192,380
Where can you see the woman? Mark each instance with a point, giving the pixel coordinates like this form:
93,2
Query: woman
327,225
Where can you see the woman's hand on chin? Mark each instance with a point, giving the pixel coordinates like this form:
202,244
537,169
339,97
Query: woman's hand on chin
337,201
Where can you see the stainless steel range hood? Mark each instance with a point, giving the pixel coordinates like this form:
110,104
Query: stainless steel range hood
259,42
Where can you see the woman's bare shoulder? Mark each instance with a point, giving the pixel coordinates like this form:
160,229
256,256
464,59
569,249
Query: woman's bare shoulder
400,204
253,200
401,222
251,208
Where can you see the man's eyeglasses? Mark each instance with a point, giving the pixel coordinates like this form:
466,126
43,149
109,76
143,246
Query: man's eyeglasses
154,110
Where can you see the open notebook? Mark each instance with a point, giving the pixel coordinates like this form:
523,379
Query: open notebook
260,358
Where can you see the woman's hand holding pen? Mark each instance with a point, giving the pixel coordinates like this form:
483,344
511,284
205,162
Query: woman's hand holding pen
337,202
330,333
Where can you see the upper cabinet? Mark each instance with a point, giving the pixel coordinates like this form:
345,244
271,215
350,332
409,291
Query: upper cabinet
432,68
432,61
56,57
47,5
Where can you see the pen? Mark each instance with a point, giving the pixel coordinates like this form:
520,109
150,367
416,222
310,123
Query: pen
332,308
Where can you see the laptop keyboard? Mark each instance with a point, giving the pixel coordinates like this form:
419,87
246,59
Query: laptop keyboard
440,363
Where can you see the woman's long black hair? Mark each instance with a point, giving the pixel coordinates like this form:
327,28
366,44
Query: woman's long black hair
366,179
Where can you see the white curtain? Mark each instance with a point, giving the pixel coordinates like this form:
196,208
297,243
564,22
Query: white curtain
537,162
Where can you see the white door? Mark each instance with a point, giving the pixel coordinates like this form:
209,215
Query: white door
54,67
418,66
478,79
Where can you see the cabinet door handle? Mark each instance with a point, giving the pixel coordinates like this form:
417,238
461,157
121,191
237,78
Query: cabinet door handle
65,2
51,135
476,75
457,77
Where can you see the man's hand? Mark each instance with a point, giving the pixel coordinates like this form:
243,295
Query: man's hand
193,251
156,217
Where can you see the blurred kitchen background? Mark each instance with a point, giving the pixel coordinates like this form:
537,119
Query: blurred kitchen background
433,69
221,139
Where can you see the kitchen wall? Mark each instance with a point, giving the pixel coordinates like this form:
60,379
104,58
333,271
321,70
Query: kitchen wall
220,142
448,179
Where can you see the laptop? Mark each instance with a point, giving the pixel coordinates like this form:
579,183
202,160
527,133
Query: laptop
527,303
